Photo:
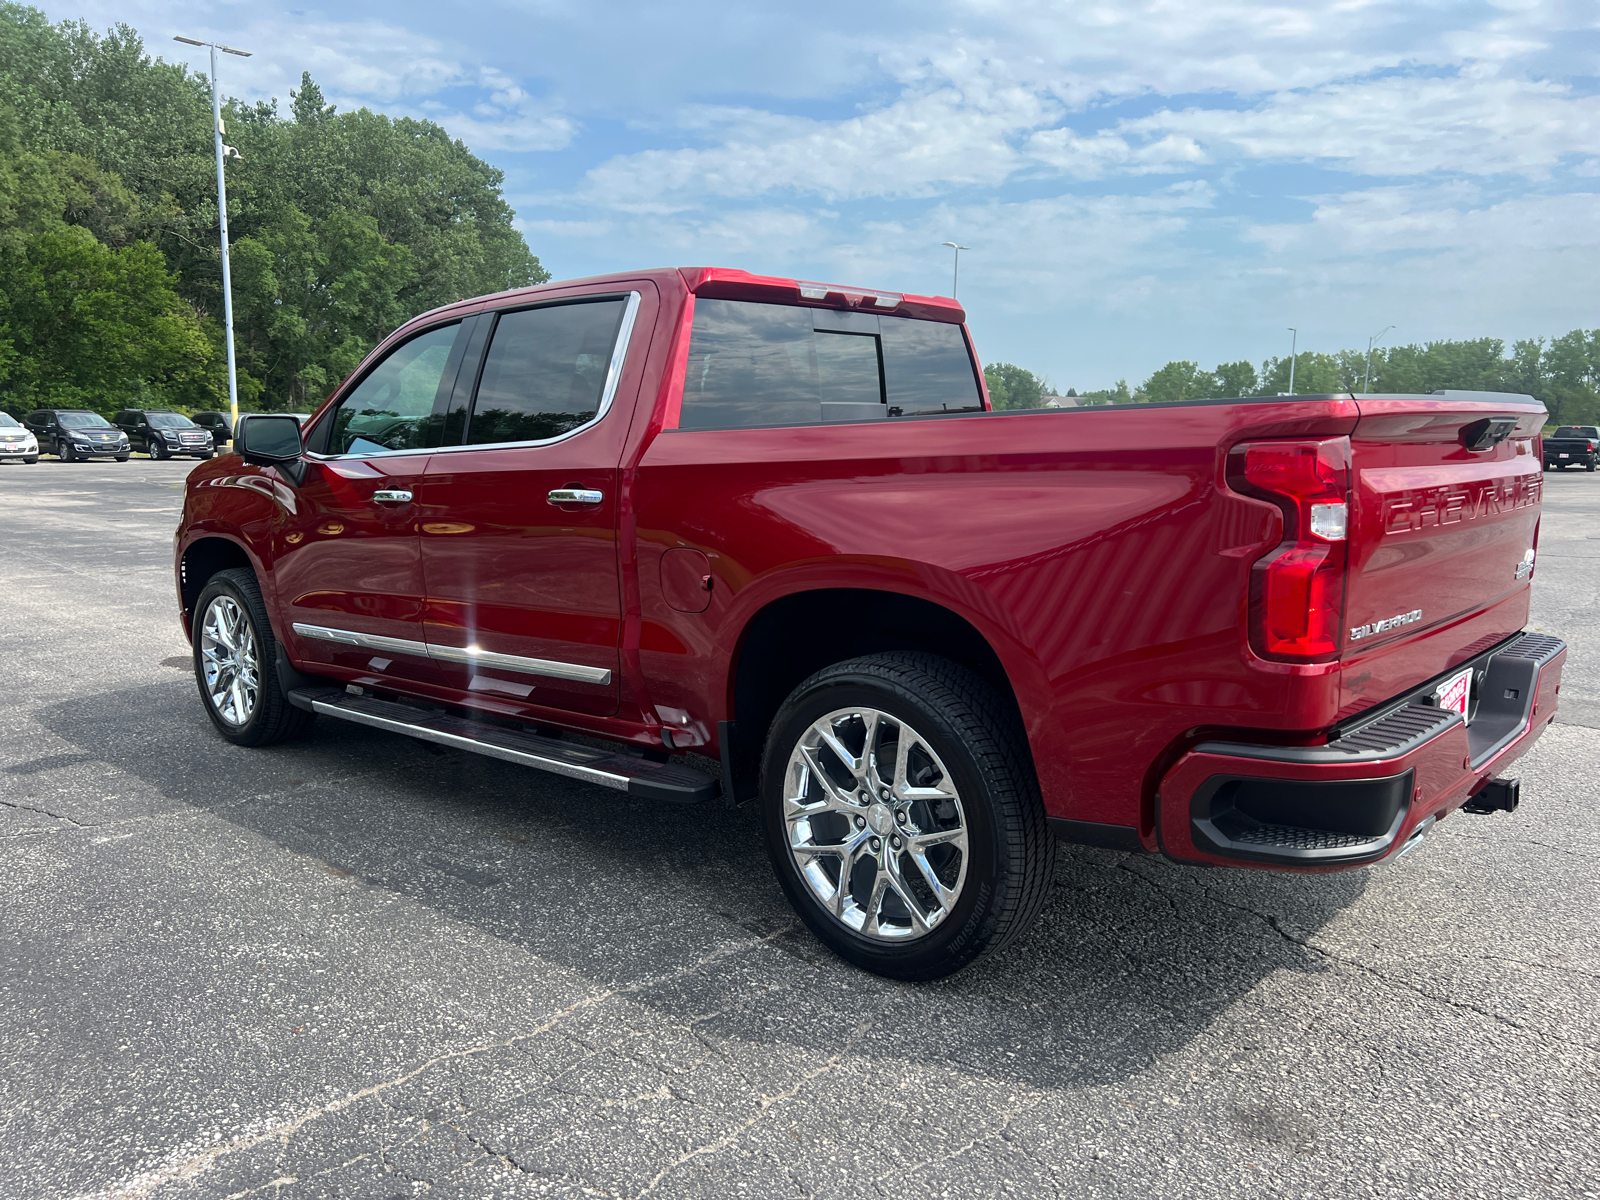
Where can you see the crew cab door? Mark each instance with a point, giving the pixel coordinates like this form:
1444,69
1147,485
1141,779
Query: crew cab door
518,518
348,570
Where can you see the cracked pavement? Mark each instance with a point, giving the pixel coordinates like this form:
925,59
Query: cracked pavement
361,966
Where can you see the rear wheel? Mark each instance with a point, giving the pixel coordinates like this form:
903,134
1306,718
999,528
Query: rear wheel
902,815
235,654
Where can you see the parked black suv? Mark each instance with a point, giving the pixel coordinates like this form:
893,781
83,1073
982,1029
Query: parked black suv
72,434
164,434
221,429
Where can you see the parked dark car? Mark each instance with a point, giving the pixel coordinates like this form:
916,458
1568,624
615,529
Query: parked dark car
72,434
16,443
1572,446
219,425
161,433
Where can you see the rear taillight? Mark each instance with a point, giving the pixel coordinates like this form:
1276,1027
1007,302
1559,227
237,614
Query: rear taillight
1297,589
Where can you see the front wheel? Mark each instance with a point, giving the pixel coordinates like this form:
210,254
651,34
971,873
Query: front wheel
64,451
156,450
235,653
902,815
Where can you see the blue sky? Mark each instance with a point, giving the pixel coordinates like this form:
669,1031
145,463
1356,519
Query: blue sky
1139,181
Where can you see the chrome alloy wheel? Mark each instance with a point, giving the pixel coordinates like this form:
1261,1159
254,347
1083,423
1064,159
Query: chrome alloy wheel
229,661
875,825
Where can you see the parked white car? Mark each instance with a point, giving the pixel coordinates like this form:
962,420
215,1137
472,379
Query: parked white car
16,443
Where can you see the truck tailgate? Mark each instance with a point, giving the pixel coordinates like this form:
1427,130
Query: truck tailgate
1440,536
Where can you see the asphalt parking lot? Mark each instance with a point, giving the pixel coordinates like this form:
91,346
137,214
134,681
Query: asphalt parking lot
360,966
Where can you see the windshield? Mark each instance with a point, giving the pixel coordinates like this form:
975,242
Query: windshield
84,421
7,421
169,421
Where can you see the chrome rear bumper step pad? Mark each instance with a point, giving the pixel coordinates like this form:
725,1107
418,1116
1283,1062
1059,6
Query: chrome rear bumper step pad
619,771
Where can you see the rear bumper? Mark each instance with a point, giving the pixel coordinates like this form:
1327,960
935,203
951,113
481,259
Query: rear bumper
1359,797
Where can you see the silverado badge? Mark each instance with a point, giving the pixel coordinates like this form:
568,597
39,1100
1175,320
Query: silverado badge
1383,626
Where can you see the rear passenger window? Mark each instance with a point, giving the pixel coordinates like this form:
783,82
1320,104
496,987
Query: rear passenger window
769,364
545,373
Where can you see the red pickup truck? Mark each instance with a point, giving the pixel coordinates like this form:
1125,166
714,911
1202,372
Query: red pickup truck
589,526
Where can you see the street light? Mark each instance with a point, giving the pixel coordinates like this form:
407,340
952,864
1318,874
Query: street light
1293,342
1366,382
223,152
955,275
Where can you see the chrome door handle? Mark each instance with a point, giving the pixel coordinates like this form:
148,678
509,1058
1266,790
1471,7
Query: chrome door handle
576,496
392,496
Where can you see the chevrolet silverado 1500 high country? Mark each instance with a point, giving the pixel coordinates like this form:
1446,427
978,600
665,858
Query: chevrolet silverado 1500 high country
589,526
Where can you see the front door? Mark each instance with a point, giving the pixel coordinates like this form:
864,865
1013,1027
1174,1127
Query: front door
519,522
349,568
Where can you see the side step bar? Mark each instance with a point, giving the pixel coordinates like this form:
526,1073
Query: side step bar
619,771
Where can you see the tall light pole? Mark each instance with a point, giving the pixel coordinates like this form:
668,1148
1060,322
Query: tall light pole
1366,382
955,275
1293,342
223,153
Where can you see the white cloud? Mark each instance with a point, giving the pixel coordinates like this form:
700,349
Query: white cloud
1473,123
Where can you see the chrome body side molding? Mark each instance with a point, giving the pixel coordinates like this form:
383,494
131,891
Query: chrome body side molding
468,655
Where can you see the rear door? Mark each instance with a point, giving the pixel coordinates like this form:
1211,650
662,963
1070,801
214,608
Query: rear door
1441,536
518,519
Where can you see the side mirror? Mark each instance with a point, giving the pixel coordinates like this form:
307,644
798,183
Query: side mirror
267,440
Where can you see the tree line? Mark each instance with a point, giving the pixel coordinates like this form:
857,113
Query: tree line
343,225
1563,372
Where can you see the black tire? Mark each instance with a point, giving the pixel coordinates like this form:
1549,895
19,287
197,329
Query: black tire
1589,466
273,719
123,457
205,457
64,452
156,450
1010,856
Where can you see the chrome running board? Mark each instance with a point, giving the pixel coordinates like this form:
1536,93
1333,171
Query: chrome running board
617,770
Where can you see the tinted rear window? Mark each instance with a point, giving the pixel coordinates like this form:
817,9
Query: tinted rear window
769,364
545,372
1575,431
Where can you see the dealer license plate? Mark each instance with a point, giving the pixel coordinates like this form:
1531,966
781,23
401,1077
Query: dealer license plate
1456,692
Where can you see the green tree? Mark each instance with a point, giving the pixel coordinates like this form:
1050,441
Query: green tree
1314,374
344,224
1011,386
1179,380
1236,379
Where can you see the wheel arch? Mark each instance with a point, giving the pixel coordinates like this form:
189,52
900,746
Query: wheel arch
201,559
769,661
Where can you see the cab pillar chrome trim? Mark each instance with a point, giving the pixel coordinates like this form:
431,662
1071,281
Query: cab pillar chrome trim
468,655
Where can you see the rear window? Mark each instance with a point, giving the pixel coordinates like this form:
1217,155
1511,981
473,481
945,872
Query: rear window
545,372
1575,431
768,364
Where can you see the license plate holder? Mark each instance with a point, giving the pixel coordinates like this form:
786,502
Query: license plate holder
1456,693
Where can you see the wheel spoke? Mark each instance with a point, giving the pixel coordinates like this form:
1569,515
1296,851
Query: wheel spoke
944,895
880,884
919,923
831,740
